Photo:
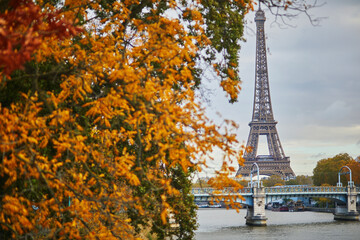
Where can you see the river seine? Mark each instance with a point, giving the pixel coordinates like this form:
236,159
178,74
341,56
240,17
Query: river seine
222,224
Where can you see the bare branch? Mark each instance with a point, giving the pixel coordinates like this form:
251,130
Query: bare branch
284,11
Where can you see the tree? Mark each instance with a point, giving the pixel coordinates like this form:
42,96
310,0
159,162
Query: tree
100,125
300,180
100,129
326,170
355,169
273,180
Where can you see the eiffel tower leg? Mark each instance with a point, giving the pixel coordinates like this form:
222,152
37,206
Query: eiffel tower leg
253,142
270,143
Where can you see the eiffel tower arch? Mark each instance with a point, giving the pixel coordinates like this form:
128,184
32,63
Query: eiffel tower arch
263,123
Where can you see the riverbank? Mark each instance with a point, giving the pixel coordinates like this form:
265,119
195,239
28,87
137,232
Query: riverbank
315,209
328,210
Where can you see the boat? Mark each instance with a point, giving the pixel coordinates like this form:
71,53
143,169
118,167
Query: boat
276,207
215,206
269,206
284,208
202,205
299,206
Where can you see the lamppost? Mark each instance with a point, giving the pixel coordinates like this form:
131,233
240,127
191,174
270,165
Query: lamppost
350,183
256,170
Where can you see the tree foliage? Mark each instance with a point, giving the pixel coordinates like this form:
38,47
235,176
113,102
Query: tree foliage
273,180
100,126
300,180
355,169
326,170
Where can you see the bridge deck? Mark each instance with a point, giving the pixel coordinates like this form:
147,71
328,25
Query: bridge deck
274,193
273,190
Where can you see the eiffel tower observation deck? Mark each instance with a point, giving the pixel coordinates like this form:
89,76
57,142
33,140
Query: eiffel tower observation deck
263,123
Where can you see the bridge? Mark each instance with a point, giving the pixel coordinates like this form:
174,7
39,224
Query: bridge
339,194
256,197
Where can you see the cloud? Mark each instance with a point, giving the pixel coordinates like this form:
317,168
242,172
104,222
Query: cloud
319,155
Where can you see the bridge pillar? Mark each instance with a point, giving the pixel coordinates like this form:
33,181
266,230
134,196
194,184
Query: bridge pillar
349,211
256,214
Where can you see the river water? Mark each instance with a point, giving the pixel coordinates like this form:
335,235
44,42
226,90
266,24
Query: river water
222,224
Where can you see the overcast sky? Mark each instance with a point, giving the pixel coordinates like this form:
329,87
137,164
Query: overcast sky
314,75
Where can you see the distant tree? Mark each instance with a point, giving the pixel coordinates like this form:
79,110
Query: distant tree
300,180
325,185
355,168
304,180
292,182
243,182
273,180
326,170
324,202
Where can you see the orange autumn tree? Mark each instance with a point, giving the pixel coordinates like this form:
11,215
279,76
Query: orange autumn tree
100,125
355,170
100,128
326,170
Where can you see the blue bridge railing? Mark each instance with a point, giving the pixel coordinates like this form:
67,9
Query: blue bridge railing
274,190
305,189
214,191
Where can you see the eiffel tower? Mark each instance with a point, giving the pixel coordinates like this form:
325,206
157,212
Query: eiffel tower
263,123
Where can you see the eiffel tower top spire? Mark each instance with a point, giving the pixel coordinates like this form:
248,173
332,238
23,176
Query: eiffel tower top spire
262,110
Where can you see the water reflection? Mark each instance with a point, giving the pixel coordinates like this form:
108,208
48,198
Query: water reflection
228,224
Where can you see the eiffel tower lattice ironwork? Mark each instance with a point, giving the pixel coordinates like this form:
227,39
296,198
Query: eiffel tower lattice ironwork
263,123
